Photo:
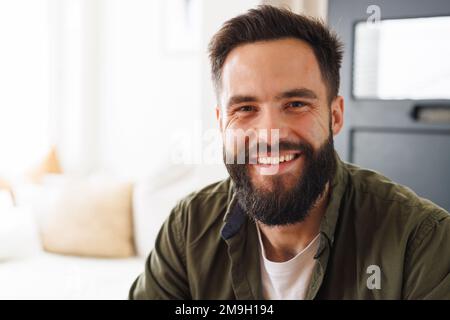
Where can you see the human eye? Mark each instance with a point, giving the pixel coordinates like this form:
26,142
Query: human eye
245,109
296,104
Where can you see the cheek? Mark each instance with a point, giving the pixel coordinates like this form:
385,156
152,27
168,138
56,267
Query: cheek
236,136
310,129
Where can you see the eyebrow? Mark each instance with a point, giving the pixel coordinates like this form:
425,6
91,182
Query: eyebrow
240,99
294,93
297,93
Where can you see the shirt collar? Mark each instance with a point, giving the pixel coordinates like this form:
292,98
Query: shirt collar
234,218
338,187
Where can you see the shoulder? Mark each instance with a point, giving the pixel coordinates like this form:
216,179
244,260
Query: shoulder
203,210
384,201
211,197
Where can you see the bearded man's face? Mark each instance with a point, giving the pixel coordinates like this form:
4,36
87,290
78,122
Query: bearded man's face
276,86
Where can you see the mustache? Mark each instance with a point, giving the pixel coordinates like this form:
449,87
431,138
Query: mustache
281,146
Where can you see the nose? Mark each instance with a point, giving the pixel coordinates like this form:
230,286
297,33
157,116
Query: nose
270,118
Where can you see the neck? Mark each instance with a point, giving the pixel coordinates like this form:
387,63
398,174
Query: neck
282,243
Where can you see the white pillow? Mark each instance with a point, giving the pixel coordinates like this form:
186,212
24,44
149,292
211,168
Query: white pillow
18,234
86,217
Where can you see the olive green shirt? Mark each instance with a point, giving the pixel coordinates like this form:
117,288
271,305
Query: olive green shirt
378,240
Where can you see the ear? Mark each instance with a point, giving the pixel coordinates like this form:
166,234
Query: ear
219,117
337,114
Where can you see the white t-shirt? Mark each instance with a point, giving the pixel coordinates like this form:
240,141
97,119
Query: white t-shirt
288,280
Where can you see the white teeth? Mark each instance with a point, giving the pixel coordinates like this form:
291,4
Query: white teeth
275,160
263,160
289,157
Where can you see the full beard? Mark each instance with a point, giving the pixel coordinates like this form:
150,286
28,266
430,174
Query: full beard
281,205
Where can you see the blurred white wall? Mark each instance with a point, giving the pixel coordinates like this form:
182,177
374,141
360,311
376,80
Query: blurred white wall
24,83
149,88
117,90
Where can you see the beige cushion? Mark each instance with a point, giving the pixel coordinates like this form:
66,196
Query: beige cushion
86,217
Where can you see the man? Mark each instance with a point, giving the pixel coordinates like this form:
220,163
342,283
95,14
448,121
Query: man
293,221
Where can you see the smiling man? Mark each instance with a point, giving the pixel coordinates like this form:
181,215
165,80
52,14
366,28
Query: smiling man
293,221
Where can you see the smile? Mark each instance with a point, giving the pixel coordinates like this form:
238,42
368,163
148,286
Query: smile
277,160
277,164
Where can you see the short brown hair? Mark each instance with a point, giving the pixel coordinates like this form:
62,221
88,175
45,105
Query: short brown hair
270,23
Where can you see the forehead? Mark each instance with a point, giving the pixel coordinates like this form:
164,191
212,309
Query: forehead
266,68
